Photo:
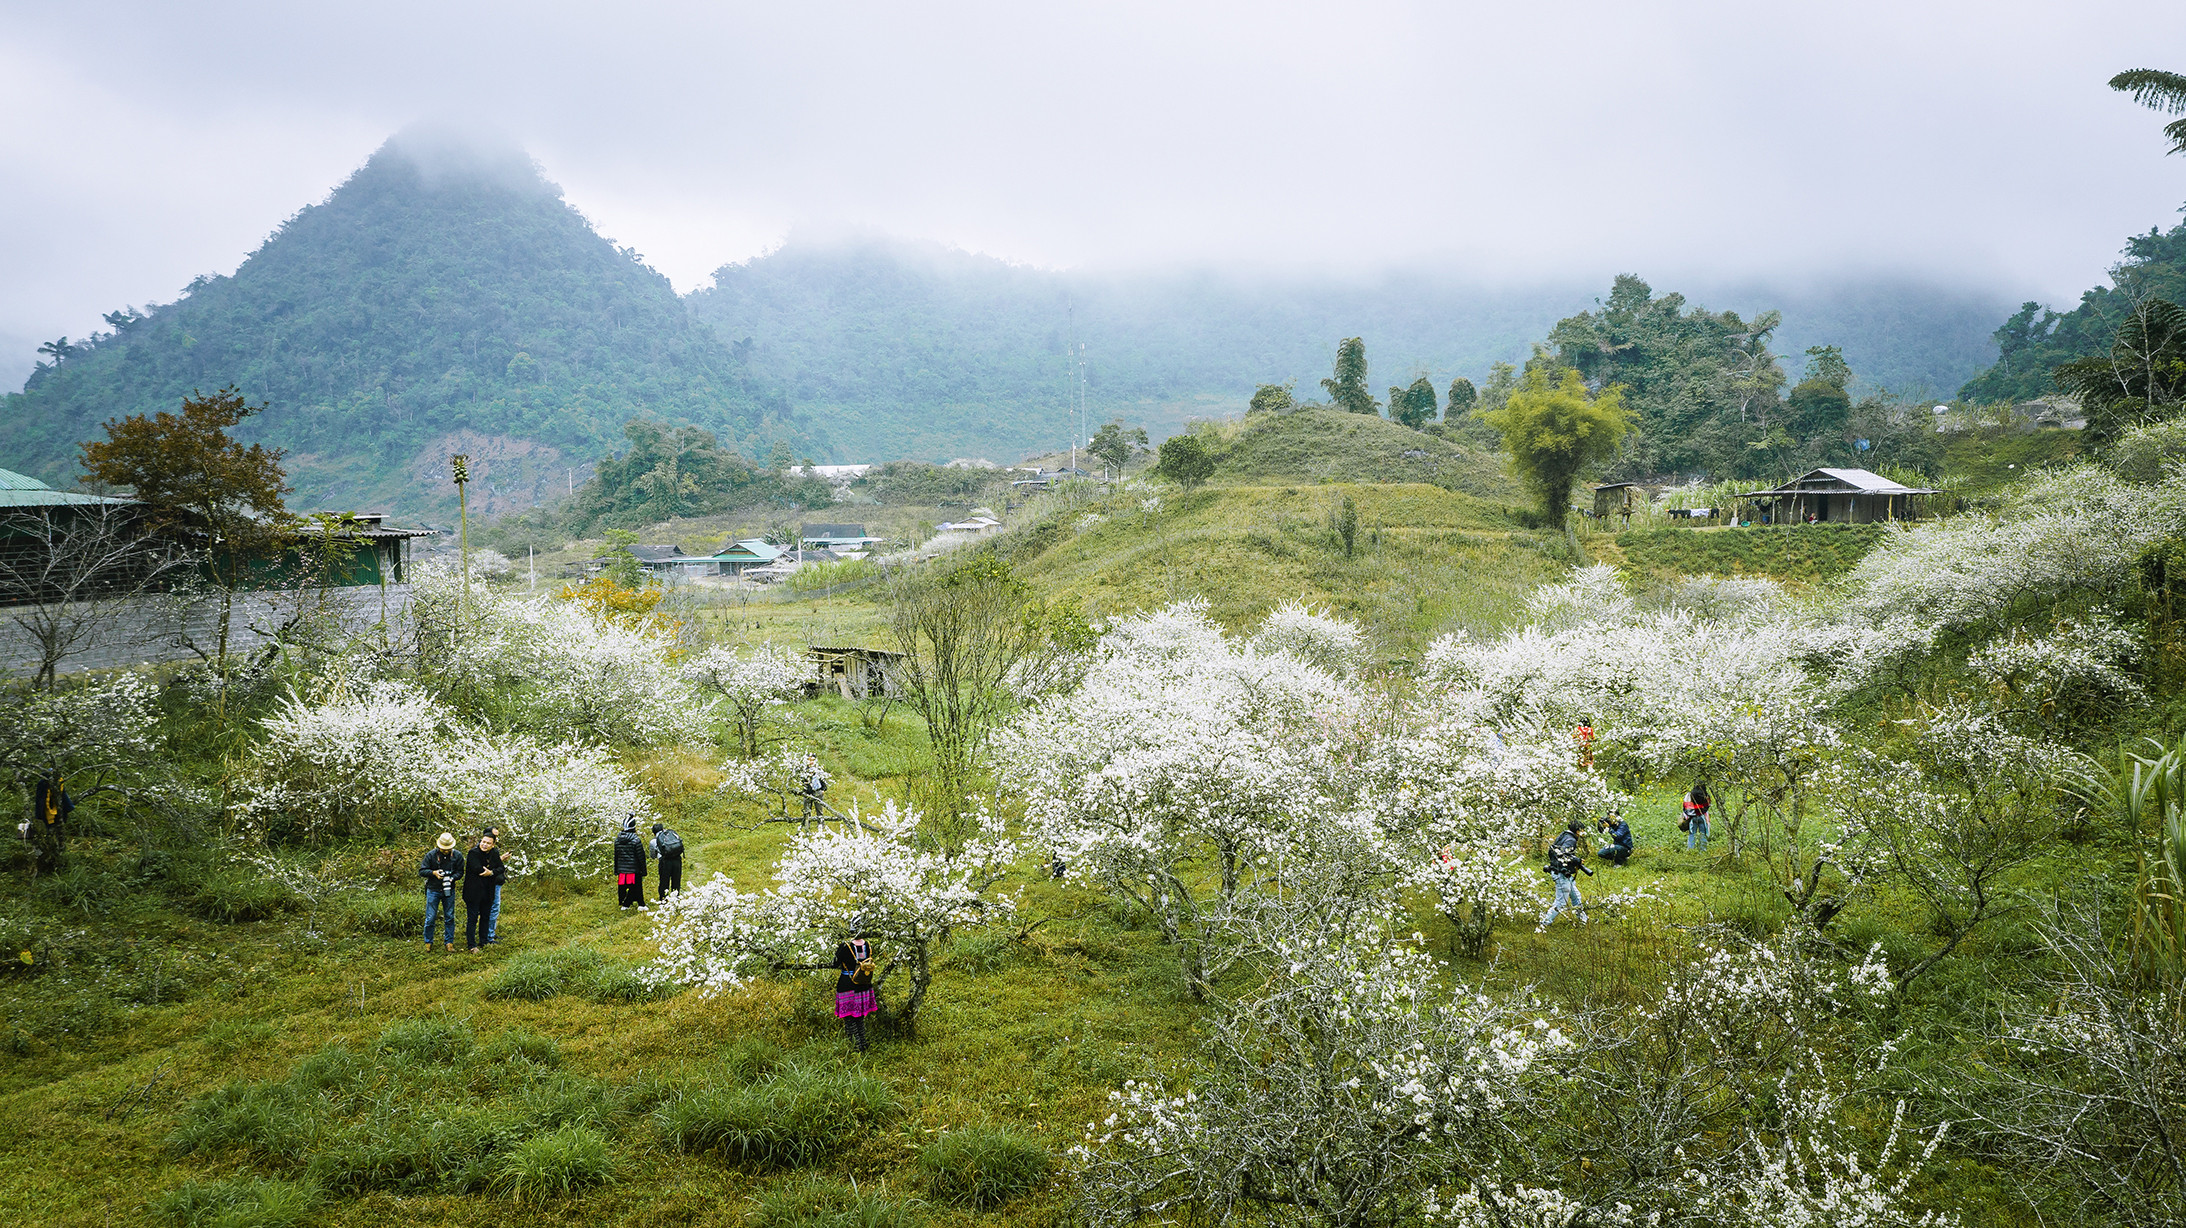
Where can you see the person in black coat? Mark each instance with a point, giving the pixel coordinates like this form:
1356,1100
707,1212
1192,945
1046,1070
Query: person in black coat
481,877
855,997
667,849
629,865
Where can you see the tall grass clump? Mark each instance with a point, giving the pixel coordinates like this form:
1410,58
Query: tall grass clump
265,1121
555,1165
522,1045
823,1202
799,1116
246,1202
982,1167
431,1041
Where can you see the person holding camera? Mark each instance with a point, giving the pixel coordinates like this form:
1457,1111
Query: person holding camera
855,995
1619,849
442,870
1564,867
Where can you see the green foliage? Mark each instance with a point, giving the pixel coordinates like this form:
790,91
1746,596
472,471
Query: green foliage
1462,396
1185,460
812,577
2036,340
1555,431
1272,399
1346,388
813,1201
522,1045
1343,521
242,893
982,1167
1115,445
534,976
549,1166
1782,552
1323,445
2150,87
797,1115
439,1042
2141,380
394,313
1413,406
267,1122
243,1202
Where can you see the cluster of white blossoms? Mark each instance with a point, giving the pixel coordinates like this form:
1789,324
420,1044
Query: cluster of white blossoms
565,671
1348,1081
751,684
1317,638
383,755
877,876
2078,665
1805,1176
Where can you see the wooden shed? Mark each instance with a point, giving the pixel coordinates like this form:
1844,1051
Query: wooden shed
859,673
1618,499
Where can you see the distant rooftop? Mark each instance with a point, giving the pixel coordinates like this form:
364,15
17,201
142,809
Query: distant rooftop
22,490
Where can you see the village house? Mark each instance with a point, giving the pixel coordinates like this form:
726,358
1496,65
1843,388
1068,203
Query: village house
1838,496
845,540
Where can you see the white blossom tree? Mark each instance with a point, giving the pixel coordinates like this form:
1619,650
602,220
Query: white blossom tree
751,685
878,878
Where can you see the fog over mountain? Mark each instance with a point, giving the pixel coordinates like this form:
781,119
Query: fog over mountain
1516,148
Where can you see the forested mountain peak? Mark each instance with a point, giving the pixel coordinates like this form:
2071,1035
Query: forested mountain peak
443,295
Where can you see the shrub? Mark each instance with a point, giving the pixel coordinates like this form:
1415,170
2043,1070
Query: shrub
799,1116
85,888
241,895
438,1041
822,1202
548,1166
983,1167
748,1060
265,1121
535,976
624,983
407,1148
384,915
522,1044
249,1202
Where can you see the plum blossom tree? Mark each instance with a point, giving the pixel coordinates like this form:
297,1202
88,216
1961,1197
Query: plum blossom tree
1180,769
385,757
879,878
94,738
751,685
1346,1089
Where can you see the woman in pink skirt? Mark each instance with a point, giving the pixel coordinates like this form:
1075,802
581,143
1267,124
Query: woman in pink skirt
854,997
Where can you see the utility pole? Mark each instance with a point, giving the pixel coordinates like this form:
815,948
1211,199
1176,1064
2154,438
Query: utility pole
460,466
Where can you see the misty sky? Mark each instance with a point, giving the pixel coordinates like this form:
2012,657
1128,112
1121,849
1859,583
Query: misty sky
143,144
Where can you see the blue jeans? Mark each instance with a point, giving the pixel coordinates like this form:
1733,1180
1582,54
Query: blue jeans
1696,834
440,904
1567,892
493,916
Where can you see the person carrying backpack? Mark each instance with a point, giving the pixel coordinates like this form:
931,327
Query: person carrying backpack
813,787
667,849
855,996
1695,822
442,871
629,865
1564,867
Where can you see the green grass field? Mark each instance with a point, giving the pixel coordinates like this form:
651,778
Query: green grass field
1795,553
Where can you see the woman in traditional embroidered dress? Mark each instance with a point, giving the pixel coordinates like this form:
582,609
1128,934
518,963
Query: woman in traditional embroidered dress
854,996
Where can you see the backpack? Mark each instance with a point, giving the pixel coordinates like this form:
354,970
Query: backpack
671,844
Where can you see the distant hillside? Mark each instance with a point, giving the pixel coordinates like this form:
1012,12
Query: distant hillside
916,350
2036,340
443,299
1327,445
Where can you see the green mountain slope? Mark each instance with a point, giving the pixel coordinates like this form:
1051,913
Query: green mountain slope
916,350
443,299
2037,340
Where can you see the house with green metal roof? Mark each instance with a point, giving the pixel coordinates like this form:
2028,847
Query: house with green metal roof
23,491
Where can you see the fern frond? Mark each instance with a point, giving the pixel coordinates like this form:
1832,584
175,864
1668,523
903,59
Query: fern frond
2153,87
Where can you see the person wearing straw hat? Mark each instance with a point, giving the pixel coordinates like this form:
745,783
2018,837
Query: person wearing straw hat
442,871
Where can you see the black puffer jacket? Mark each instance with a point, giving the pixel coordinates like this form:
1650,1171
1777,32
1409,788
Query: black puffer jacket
477,887
629,854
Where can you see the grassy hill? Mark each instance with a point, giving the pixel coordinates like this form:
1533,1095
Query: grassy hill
445,298
1326,445
1782,552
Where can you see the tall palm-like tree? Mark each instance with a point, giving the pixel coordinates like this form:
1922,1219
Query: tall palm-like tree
2165,91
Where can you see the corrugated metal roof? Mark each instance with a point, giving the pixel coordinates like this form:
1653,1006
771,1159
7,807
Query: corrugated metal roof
11,480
